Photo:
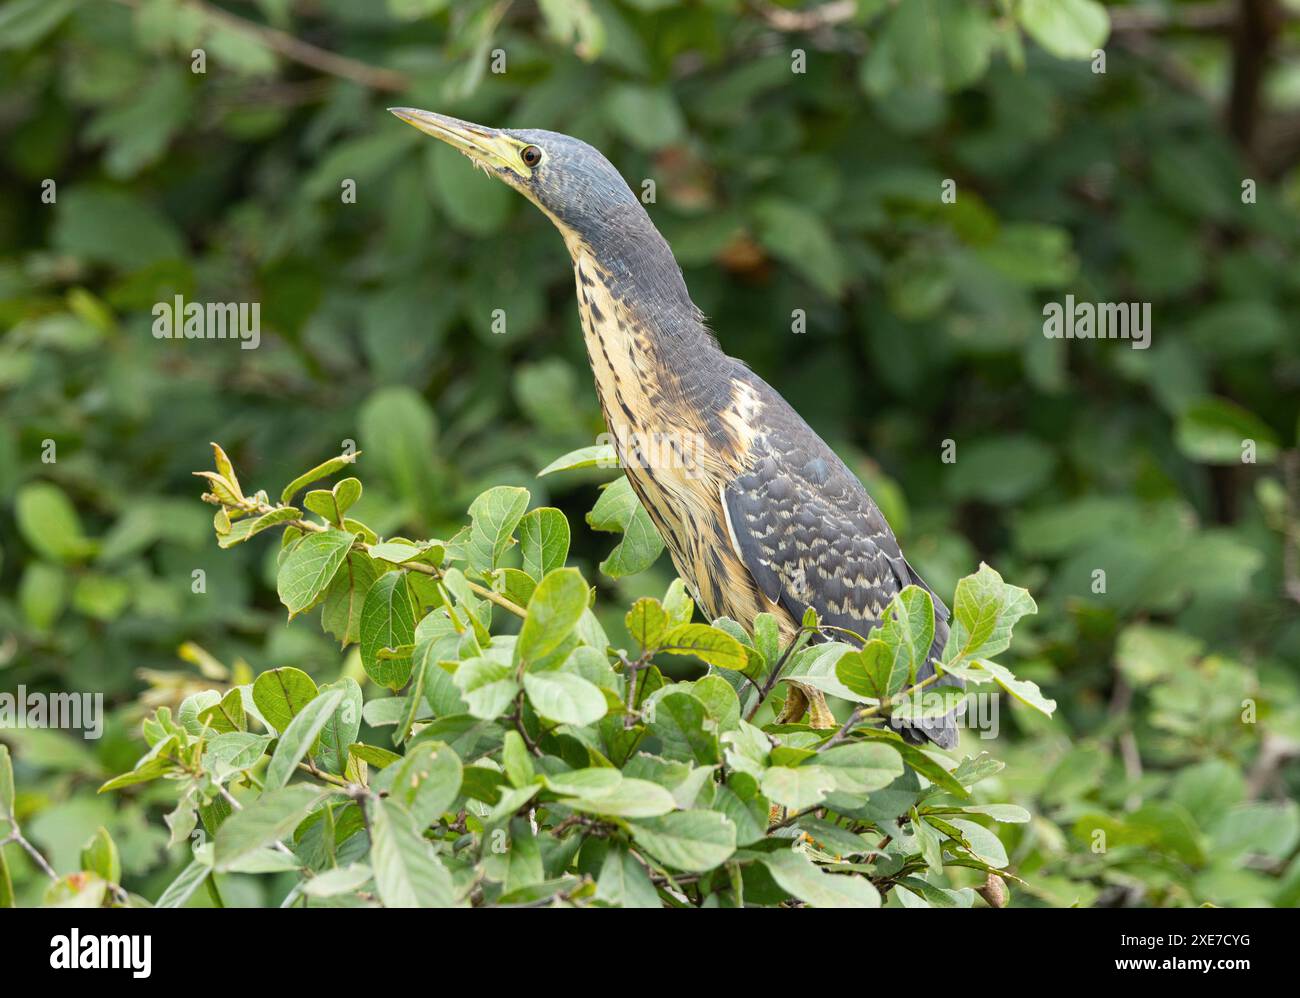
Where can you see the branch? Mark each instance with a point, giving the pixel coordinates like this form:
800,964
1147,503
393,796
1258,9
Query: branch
296,50
1187,17
1291,525
1252,44
824,16
18,838
864,712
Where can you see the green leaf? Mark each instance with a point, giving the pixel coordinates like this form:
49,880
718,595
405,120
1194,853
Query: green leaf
938,44
647,117
798,787
323,470
473,203
494,515
984,612
1005,469
908,629
873,672
387,621
341,727
618,509
1217,431
281,694
23,23
624,882
715,647
297,740
310,567
920,762
929,703
236,749
515,760
121,230
597,456
407,873
801,239
981,842
400,434
426,782
6,792
337,881
647,622
593,781
860,767
1069,29
266,820
373,755
1007,813
553,612
678,721
100,856
242,530
798,875
564,698
719,699
629,798
48,522
1022,689
543,541
693,841
183,887
487,687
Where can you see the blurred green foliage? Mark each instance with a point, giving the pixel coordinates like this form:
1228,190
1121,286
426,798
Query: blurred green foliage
780,191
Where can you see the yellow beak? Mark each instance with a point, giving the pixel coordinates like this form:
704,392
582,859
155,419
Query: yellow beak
488,146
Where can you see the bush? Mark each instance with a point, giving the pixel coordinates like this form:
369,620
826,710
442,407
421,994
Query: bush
549,766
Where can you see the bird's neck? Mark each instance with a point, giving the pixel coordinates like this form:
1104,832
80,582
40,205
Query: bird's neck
631,263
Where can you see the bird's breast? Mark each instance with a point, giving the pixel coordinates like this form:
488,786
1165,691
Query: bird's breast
680,439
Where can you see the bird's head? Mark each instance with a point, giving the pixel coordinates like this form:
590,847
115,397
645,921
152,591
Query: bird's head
569,180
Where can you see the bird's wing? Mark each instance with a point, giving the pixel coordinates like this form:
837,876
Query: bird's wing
811,536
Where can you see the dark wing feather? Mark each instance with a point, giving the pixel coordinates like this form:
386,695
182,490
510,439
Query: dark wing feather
811,536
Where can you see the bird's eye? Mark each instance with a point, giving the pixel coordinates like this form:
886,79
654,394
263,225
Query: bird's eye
531,156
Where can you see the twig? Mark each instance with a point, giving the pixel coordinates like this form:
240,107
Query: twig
1186,17
864,712
18,838
775,674
1274,752
296,50
1255,31
1291,525
824,16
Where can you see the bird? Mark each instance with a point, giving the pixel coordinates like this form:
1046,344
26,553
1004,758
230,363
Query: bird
757,512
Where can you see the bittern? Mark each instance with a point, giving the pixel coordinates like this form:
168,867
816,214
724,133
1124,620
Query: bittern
758,513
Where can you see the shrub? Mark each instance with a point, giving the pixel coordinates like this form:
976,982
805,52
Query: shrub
546,763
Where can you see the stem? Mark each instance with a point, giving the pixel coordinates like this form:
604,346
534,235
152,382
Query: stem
775,674
310,767
864,712
17,837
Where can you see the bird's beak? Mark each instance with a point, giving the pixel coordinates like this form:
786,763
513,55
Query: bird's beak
489,146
